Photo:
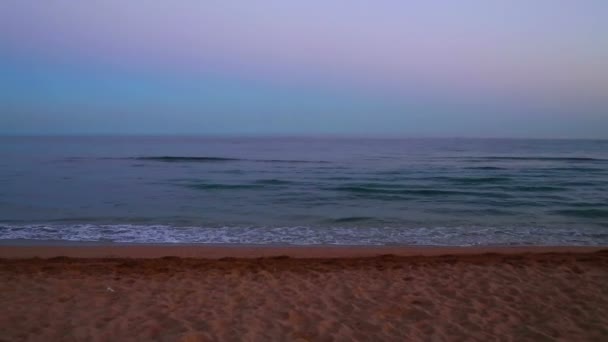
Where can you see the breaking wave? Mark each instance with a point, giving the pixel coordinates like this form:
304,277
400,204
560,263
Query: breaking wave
304,235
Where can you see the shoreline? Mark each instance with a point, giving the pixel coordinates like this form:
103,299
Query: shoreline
22,250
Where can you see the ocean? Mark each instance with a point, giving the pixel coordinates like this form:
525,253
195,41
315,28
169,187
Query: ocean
304,191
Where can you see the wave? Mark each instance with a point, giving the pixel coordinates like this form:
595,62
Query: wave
391,184
339,178
485,168
186,159
306,235
587,204
352,219
173,159
571,159
289,161
531,188
417,192
578,169
584,213
273,182
195,183
215,186
472,180
580,183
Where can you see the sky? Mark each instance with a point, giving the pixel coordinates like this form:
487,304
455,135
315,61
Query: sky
468,68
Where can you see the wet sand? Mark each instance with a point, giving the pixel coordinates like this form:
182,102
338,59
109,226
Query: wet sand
127,293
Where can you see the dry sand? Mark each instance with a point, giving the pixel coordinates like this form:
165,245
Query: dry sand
510,295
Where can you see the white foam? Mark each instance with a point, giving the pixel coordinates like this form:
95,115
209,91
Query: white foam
302,235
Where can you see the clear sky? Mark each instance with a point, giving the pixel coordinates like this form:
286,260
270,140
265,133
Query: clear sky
512,68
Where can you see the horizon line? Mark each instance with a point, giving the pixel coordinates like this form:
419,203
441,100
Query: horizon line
286,136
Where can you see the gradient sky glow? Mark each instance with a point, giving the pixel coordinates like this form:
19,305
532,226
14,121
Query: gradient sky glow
413,68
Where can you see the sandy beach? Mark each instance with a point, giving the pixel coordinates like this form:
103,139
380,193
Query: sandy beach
264,294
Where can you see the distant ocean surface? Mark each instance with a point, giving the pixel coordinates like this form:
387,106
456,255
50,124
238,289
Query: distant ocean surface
304,191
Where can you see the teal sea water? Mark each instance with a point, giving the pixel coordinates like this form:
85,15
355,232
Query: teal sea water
303,191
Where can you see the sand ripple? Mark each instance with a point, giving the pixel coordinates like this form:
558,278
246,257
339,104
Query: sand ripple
452,298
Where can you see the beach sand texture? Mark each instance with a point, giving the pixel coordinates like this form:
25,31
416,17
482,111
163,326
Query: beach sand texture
483,297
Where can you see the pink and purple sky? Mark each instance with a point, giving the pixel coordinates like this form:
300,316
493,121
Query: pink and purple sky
406,68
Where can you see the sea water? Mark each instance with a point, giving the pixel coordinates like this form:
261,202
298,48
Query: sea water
302,191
